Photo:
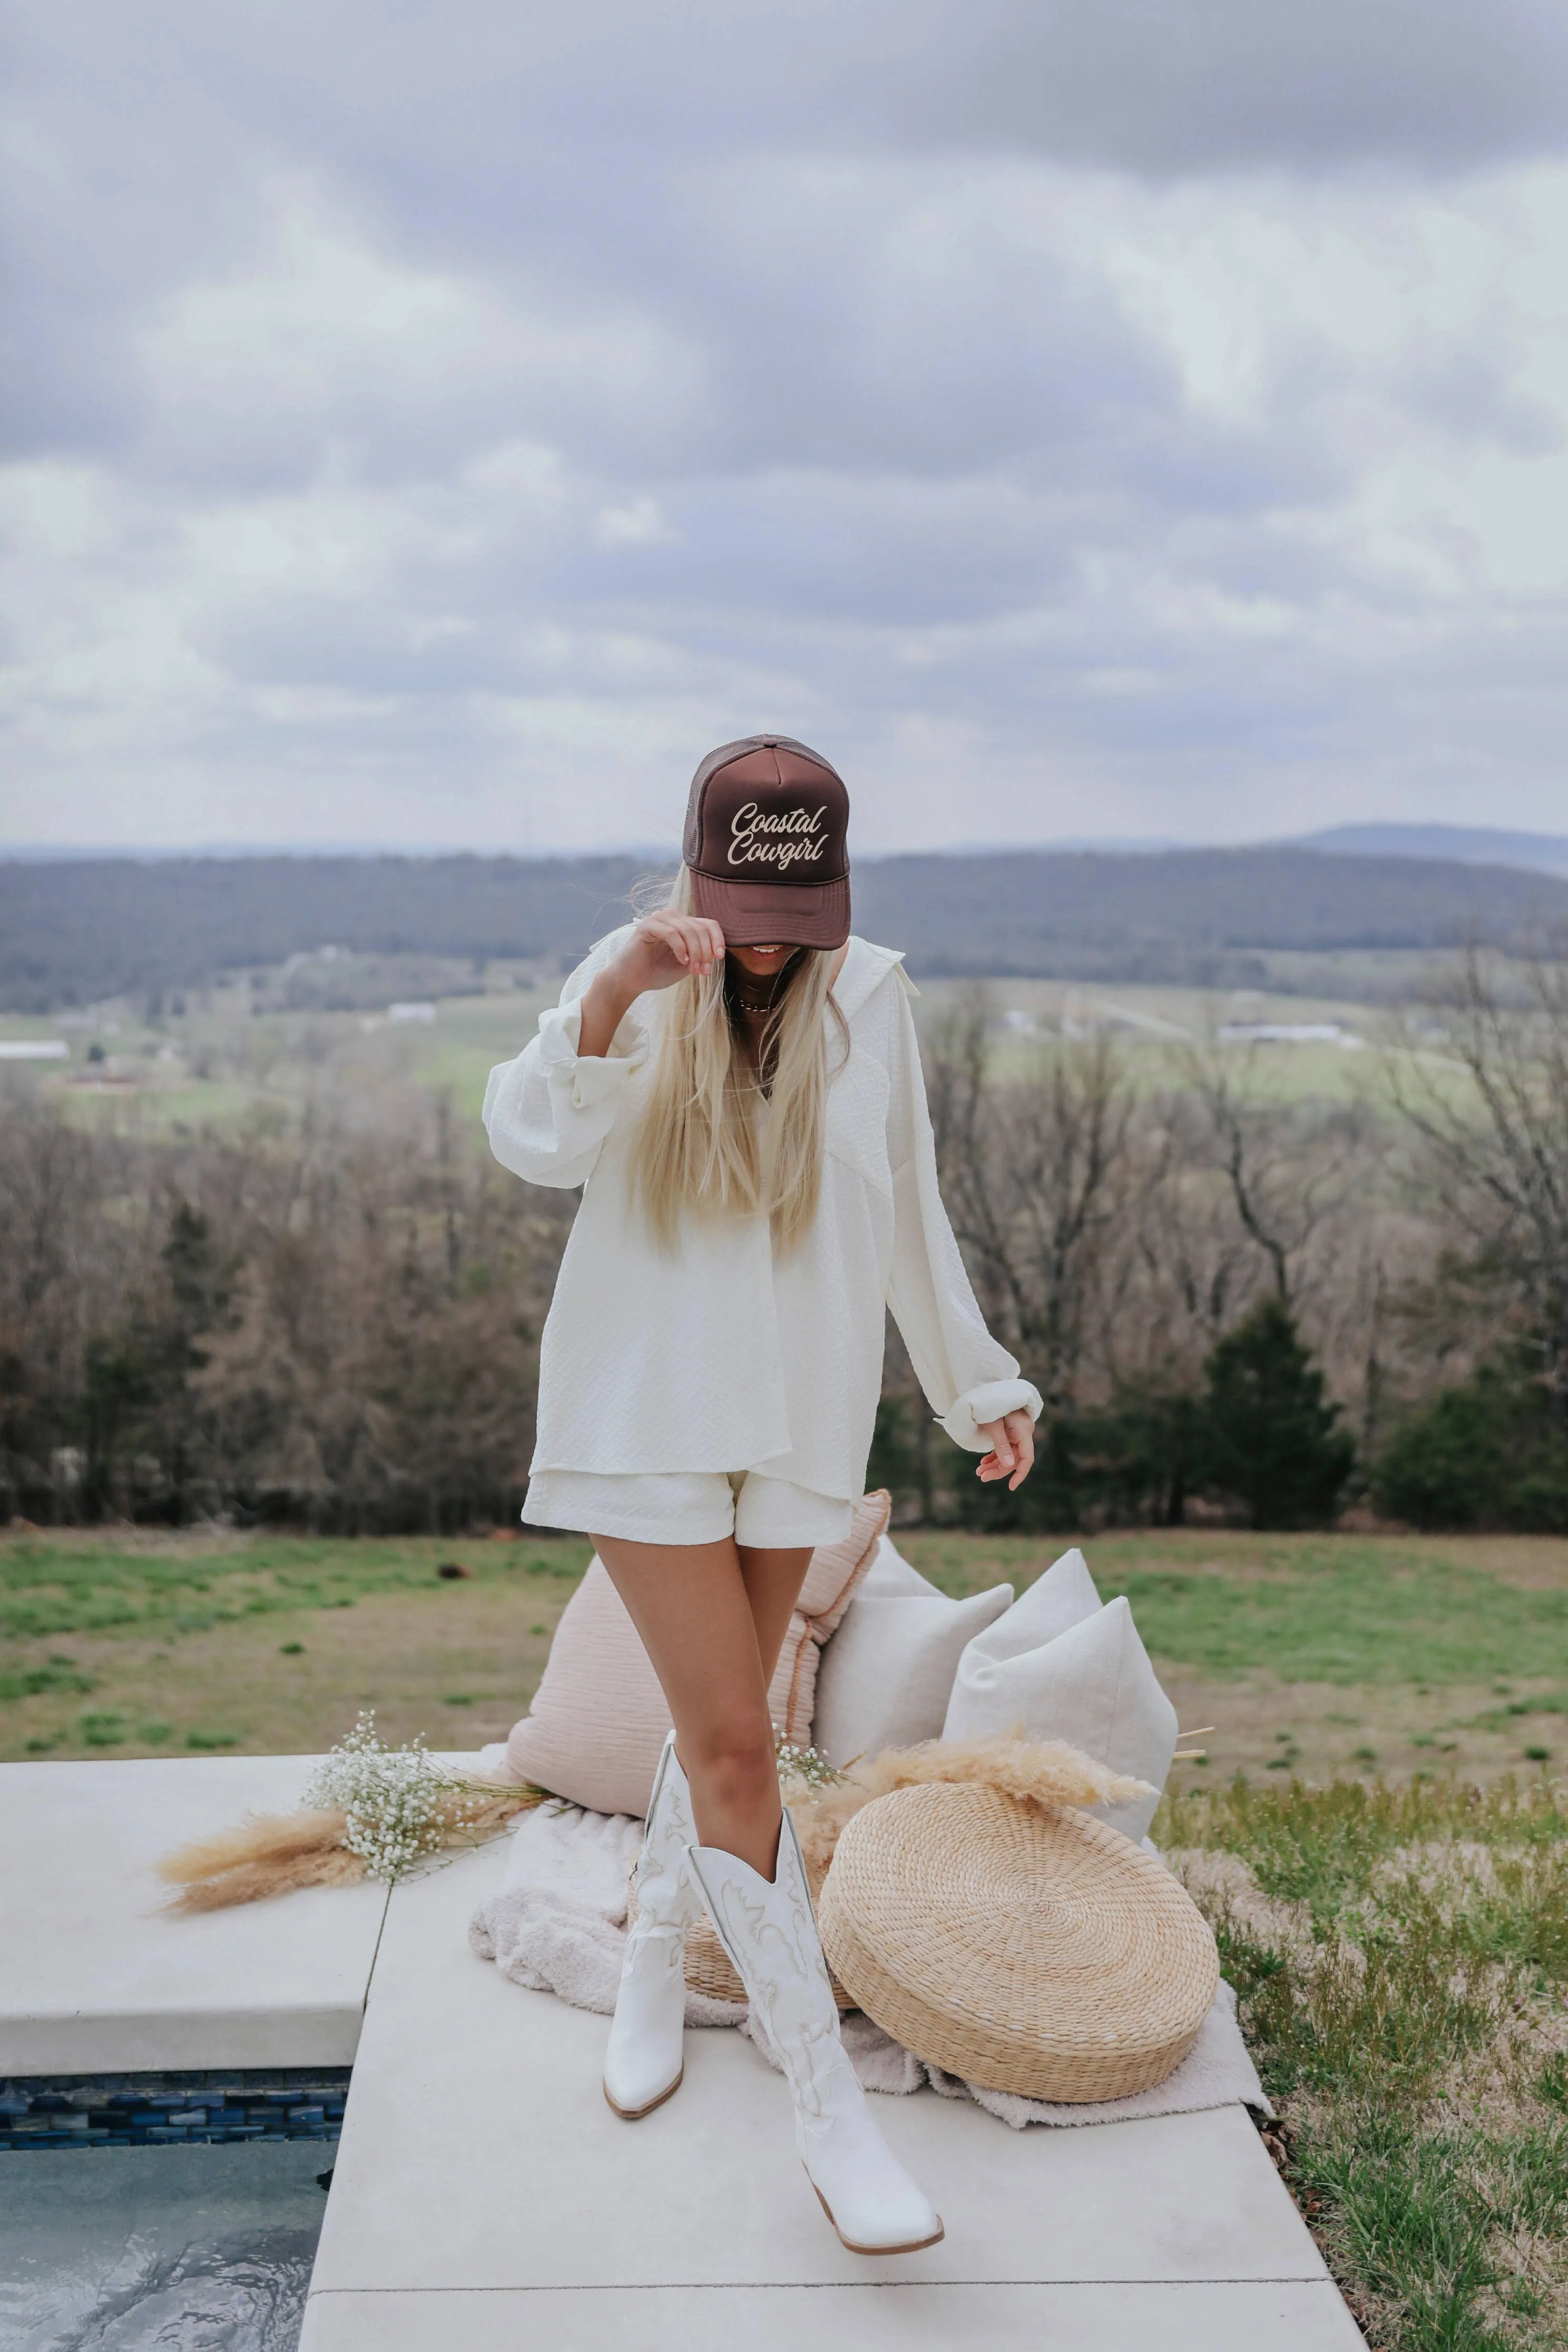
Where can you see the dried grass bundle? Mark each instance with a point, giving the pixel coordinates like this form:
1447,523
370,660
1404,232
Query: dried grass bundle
275,1854
1044,1772
261,1837
269,1853
258,1881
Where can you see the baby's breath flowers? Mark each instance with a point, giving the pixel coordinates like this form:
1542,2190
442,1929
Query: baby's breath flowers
808,1766
400,1805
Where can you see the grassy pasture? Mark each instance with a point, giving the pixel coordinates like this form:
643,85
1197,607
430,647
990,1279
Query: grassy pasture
1315,1656
1365,1654
146,1644
218,1058
1401,1959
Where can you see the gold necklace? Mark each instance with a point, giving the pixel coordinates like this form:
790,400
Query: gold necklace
762,994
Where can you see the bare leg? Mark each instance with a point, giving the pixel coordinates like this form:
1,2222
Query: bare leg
772,1580
713,1619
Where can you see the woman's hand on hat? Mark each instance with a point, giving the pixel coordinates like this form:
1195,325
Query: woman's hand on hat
664,946
1012,1454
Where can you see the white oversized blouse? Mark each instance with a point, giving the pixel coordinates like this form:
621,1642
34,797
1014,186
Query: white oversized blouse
720,1355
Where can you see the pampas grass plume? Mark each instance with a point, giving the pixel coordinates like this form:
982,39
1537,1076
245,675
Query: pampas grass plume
1046,1772
271,1853
258,1881
261,1837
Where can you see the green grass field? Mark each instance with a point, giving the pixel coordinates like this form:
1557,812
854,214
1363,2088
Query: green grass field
148,1644
1401,1959
1319,1654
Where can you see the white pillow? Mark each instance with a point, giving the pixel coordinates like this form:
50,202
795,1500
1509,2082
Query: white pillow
1092,1685
886,1673
1063,1597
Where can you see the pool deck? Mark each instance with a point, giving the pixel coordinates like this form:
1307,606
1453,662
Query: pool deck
95,1974
484,2192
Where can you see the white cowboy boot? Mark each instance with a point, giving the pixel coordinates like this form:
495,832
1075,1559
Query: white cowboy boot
770,1934
645,2059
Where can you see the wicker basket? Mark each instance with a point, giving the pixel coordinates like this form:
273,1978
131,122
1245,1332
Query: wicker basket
1041,1953
709,1967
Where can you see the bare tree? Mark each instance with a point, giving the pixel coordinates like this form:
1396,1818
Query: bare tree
1033,1172
1285,1173
1185,1267
1491,1112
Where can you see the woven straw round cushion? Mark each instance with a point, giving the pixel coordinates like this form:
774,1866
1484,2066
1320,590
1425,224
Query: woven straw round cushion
709,1967
1041,1953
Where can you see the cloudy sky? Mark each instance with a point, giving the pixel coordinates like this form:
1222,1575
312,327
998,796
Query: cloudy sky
438,423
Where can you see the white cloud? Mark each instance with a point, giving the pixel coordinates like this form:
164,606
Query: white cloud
441,472
639,523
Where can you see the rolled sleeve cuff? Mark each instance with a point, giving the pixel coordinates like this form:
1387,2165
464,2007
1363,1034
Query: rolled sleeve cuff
989,1402
594,1077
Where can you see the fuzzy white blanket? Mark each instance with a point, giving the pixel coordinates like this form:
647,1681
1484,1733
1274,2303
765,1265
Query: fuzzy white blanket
558,1924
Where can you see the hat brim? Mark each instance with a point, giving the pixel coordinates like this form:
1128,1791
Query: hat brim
765,914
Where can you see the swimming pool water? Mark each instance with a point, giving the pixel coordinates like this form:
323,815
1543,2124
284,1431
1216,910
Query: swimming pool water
198,2249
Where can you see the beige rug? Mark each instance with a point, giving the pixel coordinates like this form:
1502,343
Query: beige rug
558,1924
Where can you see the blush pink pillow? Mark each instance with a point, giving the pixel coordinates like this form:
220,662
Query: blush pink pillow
598,1719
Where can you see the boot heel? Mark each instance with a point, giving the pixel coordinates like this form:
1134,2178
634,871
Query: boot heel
914,2246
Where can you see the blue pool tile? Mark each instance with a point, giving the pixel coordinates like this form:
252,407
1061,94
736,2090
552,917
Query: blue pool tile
166,2108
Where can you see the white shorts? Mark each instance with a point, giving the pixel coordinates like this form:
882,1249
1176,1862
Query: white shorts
688,1506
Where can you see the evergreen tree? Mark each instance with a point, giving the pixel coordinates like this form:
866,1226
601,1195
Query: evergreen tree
1487,1452
1269,1437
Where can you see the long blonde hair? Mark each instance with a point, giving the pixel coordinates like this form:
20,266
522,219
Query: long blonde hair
699,1146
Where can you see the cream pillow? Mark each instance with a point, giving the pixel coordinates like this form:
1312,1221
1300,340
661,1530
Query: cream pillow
887,1673
1092,1685
598,1719
1061,1599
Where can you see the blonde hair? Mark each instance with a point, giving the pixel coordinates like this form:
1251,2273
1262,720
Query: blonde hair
697,1146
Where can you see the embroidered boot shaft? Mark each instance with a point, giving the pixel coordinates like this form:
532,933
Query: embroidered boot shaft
770,1933
643,2059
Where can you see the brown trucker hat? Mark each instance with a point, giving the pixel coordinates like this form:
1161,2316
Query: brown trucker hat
767,843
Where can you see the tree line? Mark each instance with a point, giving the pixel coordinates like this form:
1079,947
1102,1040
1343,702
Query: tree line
286,1321
1268,1311
1232,1306
77,931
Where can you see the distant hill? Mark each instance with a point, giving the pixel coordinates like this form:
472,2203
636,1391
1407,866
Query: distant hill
1195,916
86,928
1546,853
79,930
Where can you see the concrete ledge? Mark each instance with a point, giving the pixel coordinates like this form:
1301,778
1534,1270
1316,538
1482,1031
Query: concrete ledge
484,2193
483,2185
1206,2315
94,1975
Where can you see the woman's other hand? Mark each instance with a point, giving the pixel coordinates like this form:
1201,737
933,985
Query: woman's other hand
664,946
1012,1454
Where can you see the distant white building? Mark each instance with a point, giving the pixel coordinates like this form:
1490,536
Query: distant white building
1287,1033
303,956
33,1049
411,1012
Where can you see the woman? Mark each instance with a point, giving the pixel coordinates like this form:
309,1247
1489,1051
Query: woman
735,1082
